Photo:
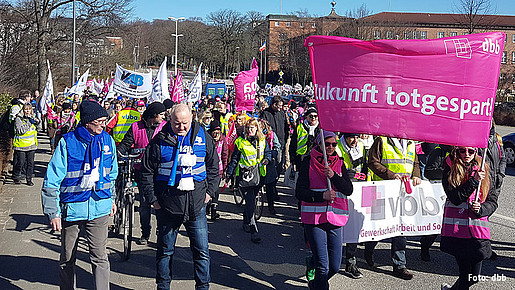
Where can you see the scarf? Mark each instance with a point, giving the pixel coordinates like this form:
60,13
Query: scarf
311,131
185,159
93,166
317,179
354,152
401,144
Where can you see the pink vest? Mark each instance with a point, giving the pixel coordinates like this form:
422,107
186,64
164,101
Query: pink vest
141,138
459,221
336,212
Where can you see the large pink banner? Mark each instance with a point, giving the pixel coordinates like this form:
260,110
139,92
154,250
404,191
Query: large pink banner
435,90
245,84
178,90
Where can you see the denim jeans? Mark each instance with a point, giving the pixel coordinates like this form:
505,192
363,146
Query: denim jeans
23,164
168,230
249,193
398,251
325,241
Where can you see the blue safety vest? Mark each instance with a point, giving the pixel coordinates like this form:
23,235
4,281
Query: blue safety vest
70,190
168,158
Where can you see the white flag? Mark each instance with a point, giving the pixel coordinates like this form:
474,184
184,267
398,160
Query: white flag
48,94
79,87
195,89
132,84
160,88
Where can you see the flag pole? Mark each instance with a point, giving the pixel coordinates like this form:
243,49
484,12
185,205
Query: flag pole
482,168
322,145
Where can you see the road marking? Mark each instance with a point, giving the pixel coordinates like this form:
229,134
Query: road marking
504,217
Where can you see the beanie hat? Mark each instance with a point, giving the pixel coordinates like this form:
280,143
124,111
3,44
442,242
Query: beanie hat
67,105
168,103
214,125
153,110
140,103
327,134
310,110
345,135
90,111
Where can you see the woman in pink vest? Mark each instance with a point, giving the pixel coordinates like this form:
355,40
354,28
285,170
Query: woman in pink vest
465,230
324,211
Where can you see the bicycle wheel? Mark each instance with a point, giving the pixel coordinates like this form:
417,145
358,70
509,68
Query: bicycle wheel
238,196
128,217
258,212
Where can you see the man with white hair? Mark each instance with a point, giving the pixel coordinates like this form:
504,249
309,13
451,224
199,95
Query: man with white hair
179,177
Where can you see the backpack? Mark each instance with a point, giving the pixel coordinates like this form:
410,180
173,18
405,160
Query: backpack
5,125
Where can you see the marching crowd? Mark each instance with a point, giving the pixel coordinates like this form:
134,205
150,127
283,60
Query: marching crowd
191,149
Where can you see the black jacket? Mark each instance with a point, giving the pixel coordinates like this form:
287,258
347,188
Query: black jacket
174,201
435,162
294,158
128,138
303,191
279,124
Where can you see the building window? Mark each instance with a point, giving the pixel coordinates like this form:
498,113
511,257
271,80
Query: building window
453,34
313,25
513,57
423,34
513,38
288,24
389,35
277,24
409,34
377,34
302,25
513,78
440,35
504,57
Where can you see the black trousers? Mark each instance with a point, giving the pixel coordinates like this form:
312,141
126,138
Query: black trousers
23,163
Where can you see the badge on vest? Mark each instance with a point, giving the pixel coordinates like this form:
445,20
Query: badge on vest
410,154
198,141
107,150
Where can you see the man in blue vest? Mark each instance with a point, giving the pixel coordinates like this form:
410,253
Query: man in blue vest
78,192
179,176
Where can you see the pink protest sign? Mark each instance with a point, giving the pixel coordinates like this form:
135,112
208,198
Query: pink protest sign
178,90
245,84
436,90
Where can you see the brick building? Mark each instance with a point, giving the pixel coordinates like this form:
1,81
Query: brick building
283,30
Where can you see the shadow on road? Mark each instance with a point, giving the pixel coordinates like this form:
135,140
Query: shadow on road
24,221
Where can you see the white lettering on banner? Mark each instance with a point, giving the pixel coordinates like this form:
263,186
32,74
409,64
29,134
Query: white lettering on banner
382,209
489,46
249,89
426,101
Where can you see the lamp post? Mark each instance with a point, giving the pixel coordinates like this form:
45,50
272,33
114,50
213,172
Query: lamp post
74,41
176,39
135,56
146,56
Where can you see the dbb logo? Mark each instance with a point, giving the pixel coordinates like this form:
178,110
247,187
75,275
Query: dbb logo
489,46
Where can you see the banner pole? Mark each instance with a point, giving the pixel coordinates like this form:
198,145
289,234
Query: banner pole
322,145
482,167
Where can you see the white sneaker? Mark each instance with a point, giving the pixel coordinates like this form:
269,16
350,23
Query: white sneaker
446,286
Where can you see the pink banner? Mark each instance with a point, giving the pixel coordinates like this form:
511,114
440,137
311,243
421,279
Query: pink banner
245,84
435,90
178,90
172,83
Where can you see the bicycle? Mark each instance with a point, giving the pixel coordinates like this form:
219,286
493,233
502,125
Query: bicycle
125,196
259,200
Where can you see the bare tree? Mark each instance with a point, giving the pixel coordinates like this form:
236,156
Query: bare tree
229,25
474,13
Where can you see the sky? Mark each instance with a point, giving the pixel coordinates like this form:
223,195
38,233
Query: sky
162,9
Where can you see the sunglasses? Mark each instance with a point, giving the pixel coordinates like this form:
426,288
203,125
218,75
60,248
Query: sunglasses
313,116
327,144
470,151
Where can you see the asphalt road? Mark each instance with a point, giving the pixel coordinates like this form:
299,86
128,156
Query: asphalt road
29,251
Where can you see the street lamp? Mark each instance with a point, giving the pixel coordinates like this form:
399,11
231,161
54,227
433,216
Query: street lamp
135,56
73,49
146,56
176,39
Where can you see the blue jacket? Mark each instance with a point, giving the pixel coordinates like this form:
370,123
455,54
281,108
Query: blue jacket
89,209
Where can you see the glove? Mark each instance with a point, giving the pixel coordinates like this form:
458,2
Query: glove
32,121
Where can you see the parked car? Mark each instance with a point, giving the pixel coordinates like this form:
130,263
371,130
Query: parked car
233,75
509,149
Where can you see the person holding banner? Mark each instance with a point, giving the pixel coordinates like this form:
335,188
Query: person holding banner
393,158
138,136
248,162
303,138
324,211
354,156
465,229
179,176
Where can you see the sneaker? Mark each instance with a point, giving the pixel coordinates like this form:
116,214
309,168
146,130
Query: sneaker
254,237
369,257
310,268
403,274
30,183
16,181
353,271
142,241
214,214
446,286
424,256
246,228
